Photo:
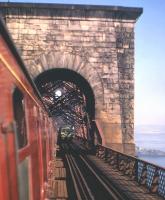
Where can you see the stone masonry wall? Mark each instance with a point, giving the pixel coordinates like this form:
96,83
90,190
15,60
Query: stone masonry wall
125,57
97,43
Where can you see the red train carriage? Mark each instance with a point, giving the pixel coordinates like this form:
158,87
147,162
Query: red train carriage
27,134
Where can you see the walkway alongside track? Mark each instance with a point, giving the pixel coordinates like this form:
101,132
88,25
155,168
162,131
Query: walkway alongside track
82,176
123,184
56,188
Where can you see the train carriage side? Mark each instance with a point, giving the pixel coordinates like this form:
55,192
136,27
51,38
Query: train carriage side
26,145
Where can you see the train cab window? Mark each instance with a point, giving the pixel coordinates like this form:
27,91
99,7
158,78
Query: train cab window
19,115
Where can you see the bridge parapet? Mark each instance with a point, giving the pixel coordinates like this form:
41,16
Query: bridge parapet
146,174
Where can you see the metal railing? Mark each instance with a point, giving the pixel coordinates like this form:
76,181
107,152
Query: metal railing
144,173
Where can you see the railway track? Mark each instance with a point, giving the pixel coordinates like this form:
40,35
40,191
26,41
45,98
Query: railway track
88,182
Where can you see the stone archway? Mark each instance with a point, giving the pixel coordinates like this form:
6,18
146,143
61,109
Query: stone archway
76,63
80,65
75,106
58,77
110,126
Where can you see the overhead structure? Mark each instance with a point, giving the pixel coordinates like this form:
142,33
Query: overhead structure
66,103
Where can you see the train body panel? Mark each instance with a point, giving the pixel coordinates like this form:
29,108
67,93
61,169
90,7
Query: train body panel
26,142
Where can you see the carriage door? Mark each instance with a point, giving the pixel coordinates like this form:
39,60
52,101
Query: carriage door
22,144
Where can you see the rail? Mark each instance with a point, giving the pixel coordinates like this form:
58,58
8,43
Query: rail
83,174
144,173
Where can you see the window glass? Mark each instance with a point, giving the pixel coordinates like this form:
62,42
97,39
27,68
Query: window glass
23,179
19,115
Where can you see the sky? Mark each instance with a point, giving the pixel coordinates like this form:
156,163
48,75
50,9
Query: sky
149,57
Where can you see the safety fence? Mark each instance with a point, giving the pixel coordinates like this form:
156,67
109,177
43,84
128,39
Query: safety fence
147,174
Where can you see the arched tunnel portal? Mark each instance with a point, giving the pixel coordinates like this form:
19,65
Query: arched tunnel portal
70,100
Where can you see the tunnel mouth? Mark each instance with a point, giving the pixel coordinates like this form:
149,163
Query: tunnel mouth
69,100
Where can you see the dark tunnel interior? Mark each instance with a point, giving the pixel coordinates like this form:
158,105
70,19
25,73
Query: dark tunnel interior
69,100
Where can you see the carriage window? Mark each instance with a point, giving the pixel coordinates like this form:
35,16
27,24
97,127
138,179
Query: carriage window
19,115
23,179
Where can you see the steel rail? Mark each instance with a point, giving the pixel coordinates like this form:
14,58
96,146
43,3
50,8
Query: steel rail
84,185
110,189
73,178
81,186
79,180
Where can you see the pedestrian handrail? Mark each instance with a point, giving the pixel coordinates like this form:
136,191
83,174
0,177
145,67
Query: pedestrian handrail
144,173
